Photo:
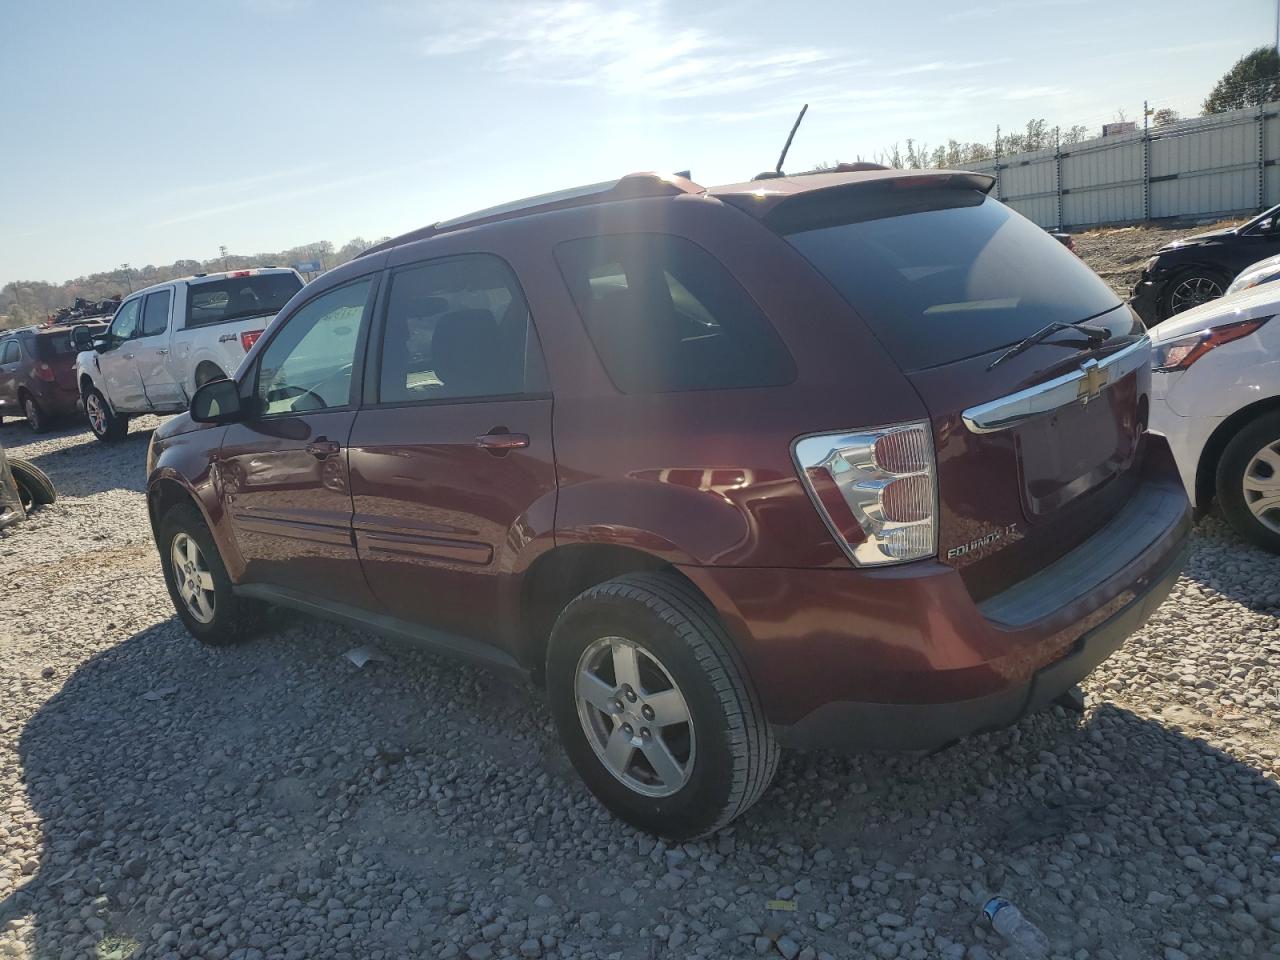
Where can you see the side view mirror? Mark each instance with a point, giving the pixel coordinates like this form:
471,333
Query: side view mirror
218,401
1267,226
82,338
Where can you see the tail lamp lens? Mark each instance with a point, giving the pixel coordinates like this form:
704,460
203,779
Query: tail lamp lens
876,490
44,372
248,338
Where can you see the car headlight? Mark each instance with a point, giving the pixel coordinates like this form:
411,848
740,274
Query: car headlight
1181,352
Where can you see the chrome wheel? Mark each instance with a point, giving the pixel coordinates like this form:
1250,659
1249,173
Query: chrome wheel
1192,292
635,717
97,413
192,577
1262,486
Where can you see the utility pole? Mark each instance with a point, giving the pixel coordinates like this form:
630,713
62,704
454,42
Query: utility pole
222,250
127,278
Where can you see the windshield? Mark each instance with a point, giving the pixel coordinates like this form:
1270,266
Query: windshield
941,274
219,301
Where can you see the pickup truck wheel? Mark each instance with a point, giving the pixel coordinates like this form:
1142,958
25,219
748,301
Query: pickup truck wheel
34,486
207,372
106,426
198,582
36,419
1248,481
655,708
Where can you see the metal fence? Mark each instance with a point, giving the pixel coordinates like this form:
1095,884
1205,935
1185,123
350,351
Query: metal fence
1220,165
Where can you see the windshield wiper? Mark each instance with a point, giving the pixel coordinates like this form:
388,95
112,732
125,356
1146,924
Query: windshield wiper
1097,337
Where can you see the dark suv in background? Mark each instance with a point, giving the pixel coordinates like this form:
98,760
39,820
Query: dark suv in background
37,374
852,460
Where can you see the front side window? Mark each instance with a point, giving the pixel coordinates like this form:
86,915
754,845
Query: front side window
307,366
155,315
455,328
664,315
125,324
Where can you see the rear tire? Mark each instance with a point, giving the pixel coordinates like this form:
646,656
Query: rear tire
1248,481
34,486
36,419
657,629
106,425
200,588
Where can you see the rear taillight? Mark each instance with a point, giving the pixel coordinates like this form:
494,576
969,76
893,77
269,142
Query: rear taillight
248,338
876,490
44,372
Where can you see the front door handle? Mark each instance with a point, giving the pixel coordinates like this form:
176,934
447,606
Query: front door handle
498,441
321,448
127,356
163,352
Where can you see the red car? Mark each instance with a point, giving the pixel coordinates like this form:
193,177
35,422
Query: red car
848,460
37,375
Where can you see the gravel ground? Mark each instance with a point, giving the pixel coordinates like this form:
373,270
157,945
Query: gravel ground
1118,253
161,799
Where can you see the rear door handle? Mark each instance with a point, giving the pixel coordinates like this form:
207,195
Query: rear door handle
499,441
163,352
321,448
127,356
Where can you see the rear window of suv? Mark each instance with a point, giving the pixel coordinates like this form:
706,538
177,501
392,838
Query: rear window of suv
664,315
235,298
940,274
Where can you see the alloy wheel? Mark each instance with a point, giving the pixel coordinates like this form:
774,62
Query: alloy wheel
192,577
1262,486
635,716
32,412
97,414
1192,292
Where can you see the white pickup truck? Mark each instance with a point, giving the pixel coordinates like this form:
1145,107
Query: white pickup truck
172,337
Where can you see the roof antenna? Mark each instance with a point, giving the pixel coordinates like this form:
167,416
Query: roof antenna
777,171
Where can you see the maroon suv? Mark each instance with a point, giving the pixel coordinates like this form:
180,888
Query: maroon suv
850,460
37,375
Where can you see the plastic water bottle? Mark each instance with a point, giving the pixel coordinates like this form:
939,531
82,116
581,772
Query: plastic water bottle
1008,921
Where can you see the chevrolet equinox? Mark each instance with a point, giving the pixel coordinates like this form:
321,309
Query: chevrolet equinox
846,461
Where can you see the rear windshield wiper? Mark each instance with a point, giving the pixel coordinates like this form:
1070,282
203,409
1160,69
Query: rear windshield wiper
1097,337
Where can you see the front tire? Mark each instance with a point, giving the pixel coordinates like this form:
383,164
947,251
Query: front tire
34,486
1189,289
1248,481
106,425
198,583
655,708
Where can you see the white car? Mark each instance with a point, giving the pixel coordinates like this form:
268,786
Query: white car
1215,393
1264,271
167,340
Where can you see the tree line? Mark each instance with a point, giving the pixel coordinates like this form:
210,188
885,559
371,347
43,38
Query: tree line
24,302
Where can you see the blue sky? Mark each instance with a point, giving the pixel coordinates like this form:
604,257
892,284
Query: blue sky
149,132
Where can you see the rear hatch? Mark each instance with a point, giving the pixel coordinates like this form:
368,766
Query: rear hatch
56,352
1035,450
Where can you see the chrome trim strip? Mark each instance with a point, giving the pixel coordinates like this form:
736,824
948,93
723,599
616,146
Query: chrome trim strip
1046,397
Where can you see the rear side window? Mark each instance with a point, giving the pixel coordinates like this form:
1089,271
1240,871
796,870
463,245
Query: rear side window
940,274
238,298
11,353
664,315
456,328
50,345
155,314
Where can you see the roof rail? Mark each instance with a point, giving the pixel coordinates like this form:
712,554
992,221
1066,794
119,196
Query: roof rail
630,187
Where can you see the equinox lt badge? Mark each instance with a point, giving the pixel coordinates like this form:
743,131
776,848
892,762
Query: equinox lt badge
967,548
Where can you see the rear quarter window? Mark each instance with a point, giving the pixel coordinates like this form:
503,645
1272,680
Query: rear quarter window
940,274
664,315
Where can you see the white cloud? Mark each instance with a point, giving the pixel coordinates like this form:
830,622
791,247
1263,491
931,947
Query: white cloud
635,50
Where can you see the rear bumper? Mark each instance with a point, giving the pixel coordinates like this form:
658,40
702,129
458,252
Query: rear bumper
903,658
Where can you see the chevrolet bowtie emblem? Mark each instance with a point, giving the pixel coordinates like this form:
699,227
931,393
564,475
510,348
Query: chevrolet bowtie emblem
1091,384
